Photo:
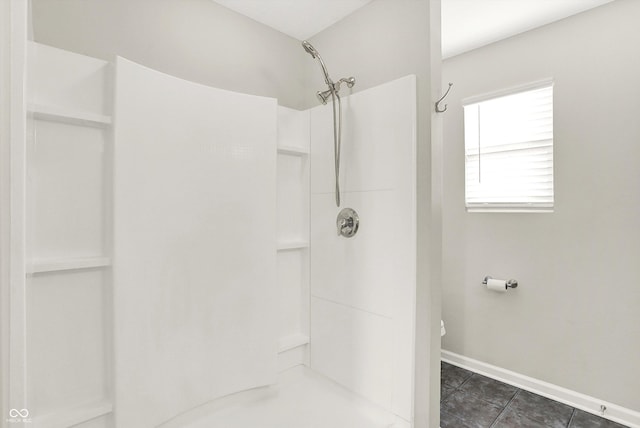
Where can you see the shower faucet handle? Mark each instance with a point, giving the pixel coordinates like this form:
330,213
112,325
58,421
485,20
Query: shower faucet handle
341,223
344,225
347,223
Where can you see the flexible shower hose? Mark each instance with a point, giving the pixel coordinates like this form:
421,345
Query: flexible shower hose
337,137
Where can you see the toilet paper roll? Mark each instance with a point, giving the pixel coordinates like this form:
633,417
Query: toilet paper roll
499,285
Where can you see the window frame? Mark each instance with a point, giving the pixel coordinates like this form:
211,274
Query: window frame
511,207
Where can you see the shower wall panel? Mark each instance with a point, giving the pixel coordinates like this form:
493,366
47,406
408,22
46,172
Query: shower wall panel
68,362
195,244
363,288
293,236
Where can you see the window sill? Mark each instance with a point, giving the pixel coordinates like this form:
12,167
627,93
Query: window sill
509,210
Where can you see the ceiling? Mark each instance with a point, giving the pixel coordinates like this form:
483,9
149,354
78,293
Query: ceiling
466,24
299,19
469,24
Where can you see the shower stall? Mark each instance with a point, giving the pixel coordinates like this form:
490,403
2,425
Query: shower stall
333,91
215,245
185,263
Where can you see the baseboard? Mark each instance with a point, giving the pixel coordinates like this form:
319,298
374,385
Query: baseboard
575,399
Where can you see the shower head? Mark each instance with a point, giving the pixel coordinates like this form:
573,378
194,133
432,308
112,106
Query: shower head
314,53
310,49
350,81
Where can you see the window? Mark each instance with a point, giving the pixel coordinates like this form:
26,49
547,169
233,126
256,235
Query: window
509,150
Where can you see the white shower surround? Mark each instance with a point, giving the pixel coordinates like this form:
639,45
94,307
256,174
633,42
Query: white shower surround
363,288
194,244
67,355
145,382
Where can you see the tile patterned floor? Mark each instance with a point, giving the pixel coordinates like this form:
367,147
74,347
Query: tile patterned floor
470,400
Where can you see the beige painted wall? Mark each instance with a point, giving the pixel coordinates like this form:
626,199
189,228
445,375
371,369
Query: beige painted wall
197,40
574,321
385,40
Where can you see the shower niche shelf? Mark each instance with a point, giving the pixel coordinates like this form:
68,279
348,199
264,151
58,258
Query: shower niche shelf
292,238
293,341
292,245
292,151
65,264
68,229
71,117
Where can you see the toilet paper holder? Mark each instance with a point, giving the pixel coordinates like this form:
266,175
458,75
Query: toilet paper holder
511,283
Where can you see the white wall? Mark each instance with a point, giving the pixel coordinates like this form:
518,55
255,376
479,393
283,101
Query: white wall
197,40
13,104
363,288
573,321
383,41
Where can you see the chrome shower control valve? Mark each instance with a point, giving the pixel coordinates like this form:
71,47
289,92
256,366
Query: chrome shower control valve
347,222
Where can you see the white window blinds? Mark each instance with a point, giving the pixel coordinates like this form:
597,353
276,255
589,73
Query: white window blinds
509,151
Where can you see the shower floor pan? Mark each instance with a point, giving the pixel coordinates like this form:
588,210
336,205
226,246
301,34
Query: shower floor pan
300,399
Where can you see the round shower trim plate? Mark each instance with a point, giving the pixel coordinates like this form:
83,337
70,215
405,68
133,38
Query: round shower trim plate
347,222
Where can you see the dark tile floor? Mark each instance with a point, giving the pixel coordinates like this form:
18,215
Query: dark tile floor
470,400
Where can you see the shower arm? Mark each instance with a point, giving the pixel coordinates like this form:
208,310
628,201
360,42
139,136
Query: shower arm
349,81
334,88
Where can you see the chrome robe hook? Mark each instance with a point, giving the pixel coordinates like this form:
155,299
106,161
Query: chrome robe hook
442,110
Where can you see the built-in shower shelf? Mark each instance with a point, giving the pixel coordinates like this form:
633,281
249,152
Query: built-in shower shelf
293,151
293,341
74,416
56,265
62,115
292,245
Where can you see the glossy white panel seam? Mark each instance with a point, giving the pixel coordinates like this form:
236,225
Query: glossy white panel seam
351,307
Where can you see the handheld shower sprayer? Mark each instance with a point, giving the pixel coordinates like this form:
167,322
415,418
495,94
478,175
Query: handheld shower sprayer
323,96
309,48
314,53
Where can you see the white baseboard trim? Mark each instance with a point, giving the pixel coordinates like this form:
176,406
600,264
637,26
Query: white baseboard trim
575,399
